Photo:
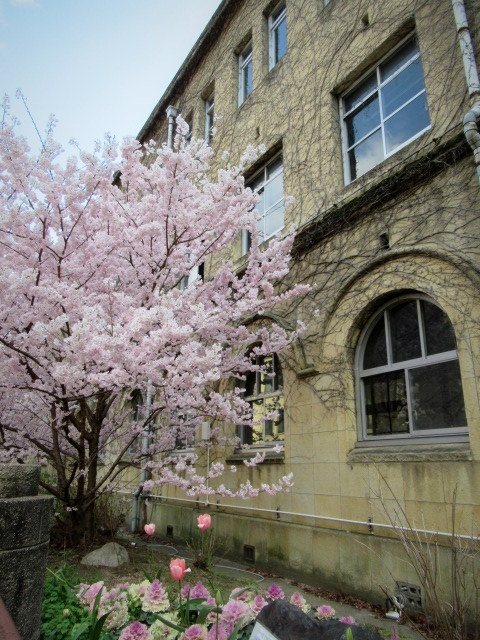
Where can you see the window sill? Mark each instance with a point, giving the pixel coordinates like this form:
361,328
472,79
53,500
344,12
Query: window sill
411,453
271,457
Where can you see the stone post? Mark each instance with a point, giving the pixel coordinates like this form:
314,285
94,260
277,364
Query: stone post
24,535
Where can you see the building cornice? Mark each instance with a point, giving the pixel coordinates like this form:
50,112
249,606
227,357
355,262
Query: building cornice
202,45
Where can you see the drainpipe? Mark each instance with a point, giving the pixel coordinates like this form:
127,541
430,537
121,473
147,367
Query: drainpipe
172,113
144,473
470,124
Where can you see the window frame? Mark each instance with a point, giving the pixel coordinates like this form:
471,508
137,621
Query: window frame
277,392
245,59
451,434
209,117
345,114
275,18
261,188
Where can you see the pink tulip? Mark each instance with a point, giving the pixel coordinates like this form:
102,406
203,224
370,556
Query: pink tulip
149,529
177,568
204,521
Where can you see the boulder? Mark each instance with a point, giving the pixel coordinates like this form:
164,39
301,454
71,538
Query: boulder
288,622
111,554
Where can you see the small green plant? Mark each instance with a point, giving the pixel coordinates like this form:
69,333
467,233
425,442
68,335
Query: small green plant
61,608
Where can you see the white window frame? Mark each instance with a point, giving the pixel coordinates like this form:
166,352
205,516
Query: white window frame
277,16
278,392
209,117
344,114
425,436
259,189
245,59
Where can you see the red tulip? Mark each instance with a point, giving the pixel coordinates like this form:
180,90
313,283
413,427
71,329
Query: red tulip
204,521
177,568
149,529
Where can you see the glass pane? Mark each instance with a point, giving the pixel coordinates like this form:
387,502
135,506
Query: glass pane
247,79
393,64
274,191
436,396
274,220
250,389
366,155
386,403
274,166
438,329
266,379
376,348
258,422
281,40
278,382
364,121
274,427
407,122
404,332
403,87
358,95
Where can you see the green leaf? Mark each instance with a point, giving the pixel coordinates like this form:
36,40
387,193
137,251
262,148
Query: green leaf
79,629
97,629
234,633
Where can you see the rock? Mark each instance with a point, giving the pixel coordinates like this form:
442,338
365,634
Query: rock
111,554
288,622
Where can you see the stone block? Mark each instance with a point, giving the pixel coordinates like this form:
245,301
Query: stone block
111,554
18,480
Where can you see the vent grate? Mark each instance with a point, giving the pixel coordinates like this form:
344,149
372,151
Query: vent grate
248,553
410,595
169,531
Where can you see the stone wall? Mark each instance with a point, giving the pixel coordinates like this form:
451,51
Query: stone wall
24,536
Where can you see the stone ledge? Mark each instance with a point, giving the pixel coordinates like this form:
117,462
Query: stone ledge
419,453
270,457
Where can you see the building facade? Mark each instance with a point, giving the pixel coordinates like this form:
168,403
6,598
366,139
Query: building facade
359,106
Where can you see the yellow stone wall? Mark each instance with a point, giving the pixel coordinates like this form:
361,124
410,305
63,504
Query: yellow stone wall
433,228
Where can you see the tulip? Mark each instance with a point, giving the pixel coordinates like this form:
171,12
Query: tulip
177,568
149,529
204,521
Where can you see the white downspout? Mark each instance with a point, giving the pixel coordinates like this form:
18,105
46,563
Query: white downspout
470,121
172,113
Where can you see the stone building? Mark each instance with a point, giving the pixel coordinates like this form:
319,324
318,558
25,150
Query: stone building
359,105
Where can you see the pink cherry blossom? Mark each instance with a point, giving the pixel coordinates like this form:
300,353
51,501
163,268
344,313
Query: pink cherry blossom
274,592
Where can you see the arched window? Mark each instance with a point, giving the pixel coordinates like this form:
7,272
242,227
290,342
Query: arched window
264,392
408,374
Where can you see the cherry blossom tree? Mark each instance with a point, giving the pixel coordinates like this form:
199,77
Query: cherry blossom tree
93,310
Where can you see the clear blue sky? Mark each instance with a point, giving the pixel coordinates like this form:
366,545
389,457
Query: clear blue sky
98,65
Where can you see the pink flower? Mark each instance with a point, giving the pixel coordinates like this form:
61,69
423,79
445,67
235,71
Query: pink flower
349,620
221,633
177,568
195,632
136,631
234,611
299,601
204,521
156,598
149,529
199,591
325,612
257,605
274,592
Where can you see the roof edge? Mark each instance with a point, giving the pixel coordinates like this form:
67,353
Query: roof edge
208,34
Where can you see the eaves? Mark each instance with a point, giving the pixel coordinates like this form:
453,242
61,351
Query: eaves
206,40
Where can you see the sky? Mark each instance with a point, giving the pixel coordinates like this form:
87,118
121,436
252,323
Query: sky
98,65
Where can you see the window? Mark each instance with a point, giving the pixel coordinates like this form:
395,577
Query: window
264,393
409,377
268,184
277,35
194,274
209,117
385,111
245,74
136,416
188,135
